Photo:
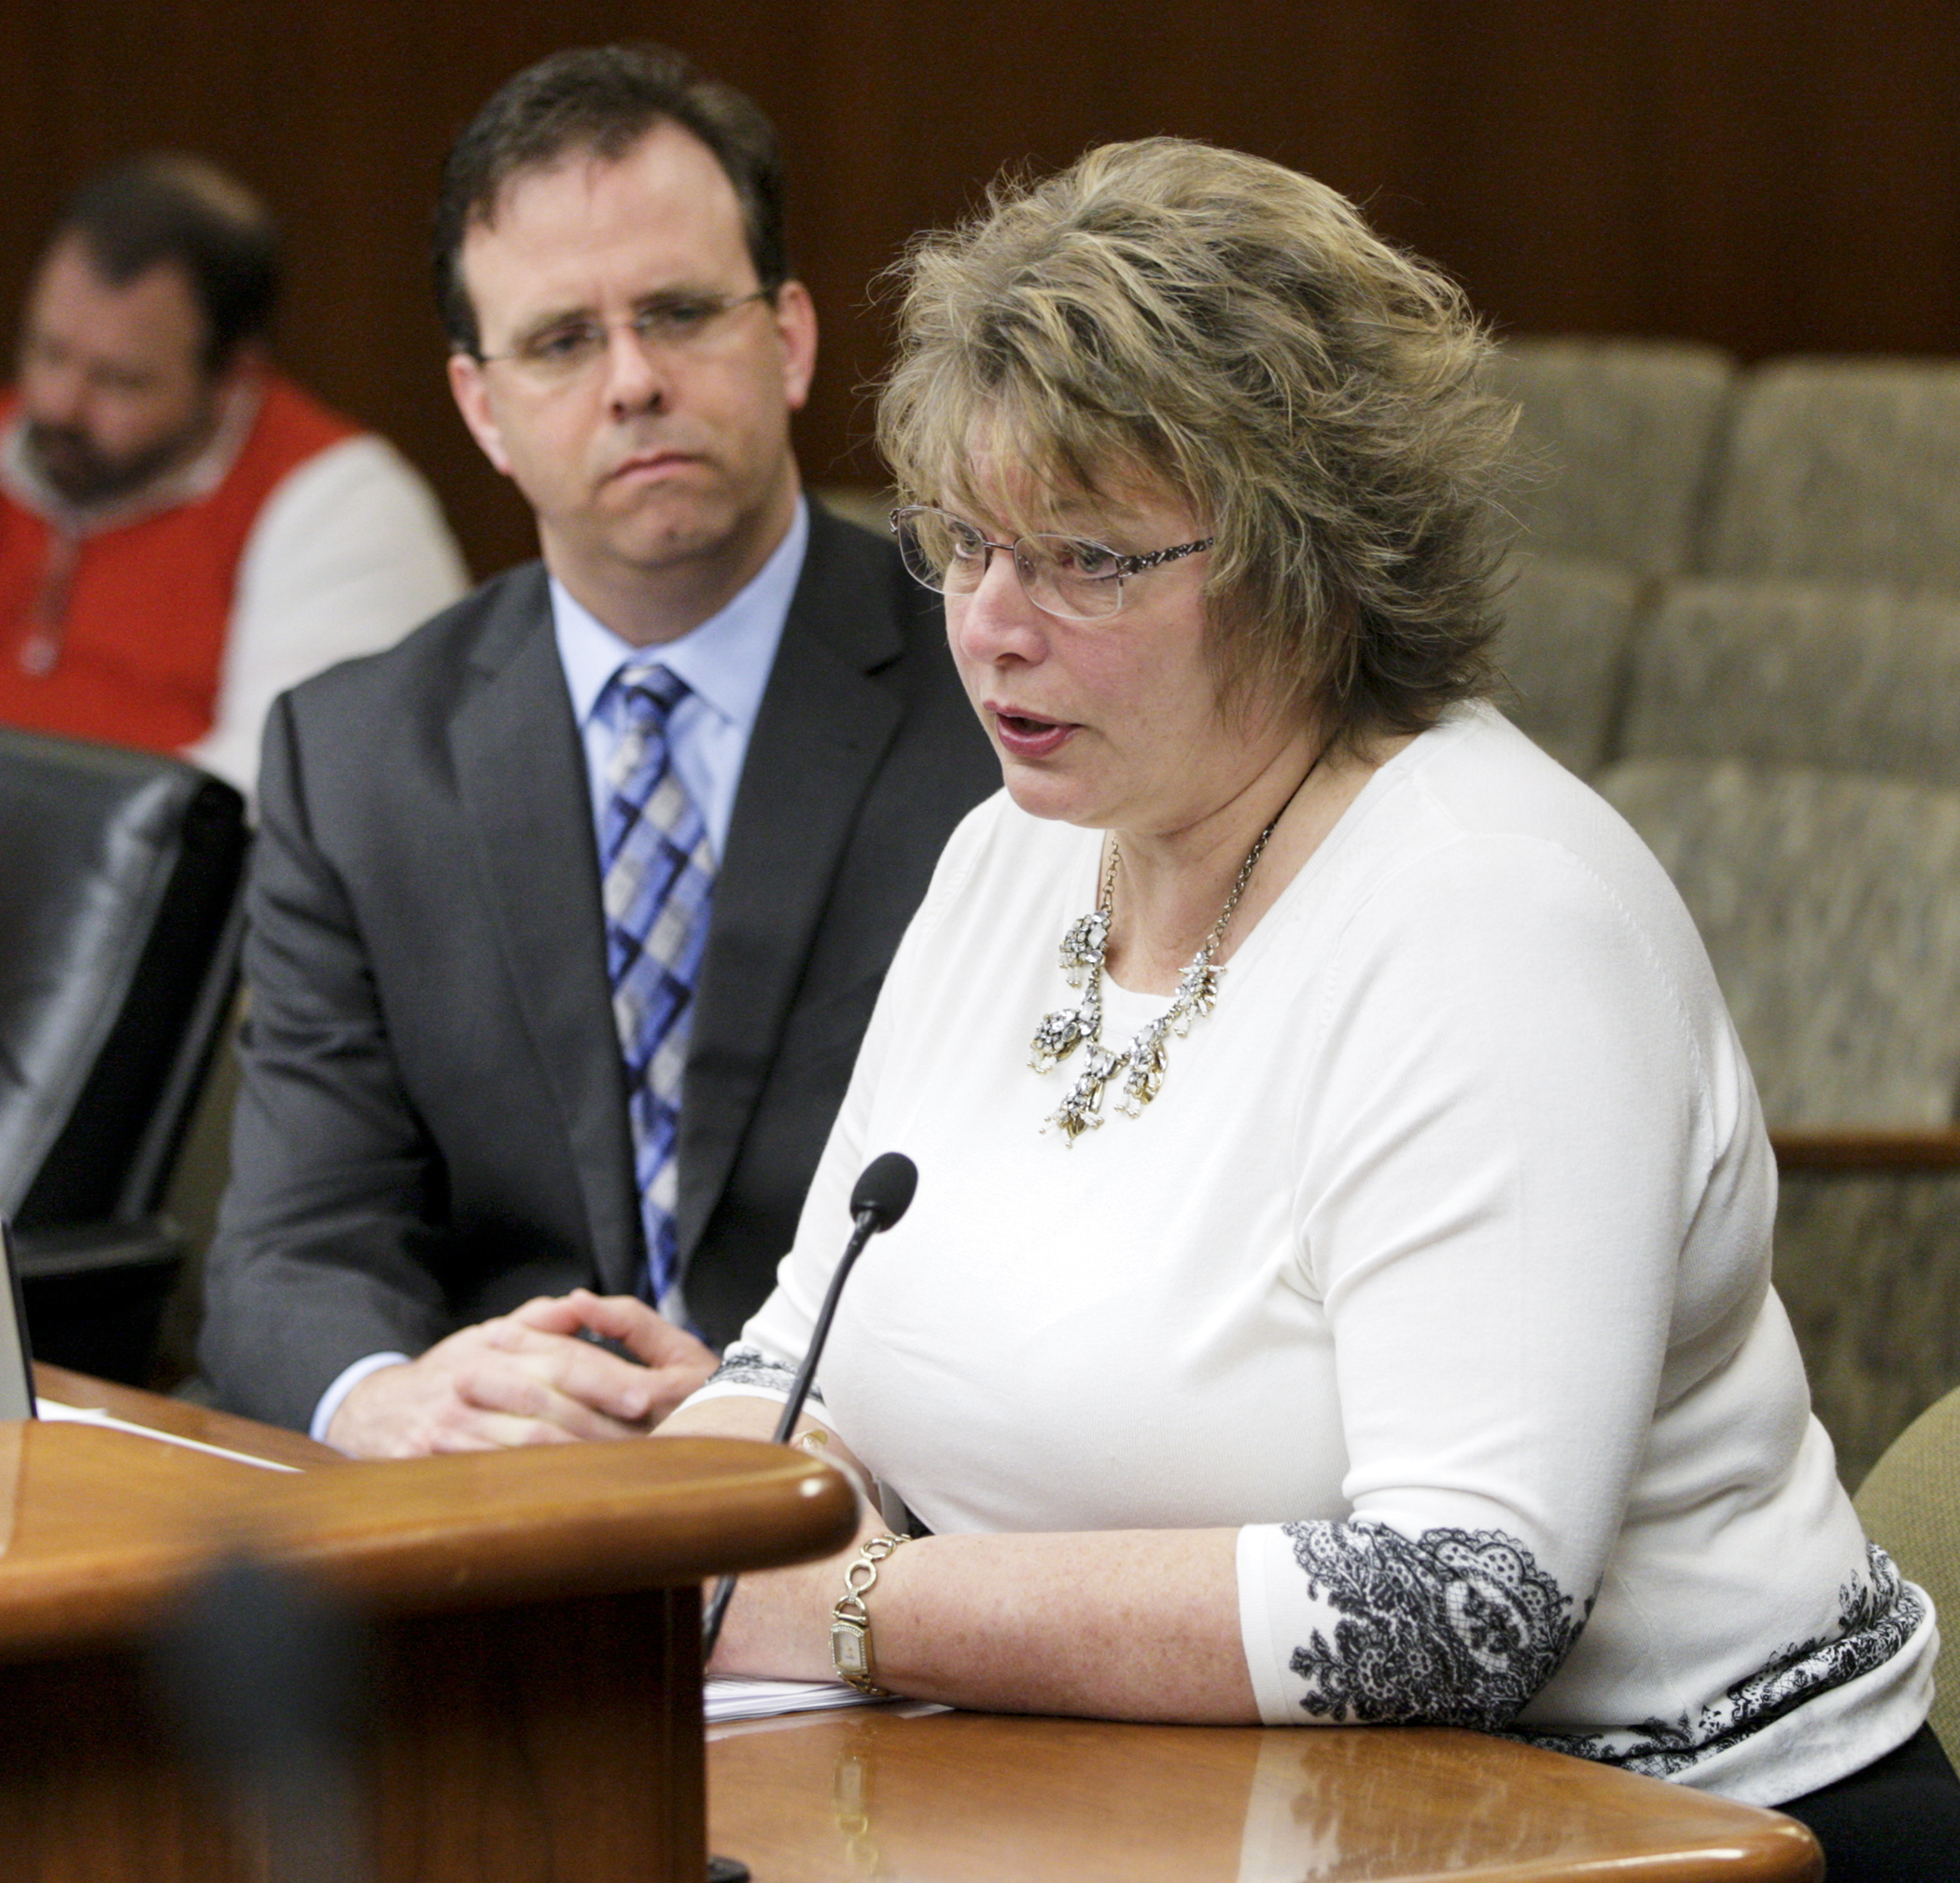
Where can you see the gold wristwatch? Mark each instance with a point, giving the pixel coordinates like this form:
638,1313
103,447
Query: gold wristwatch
851,1621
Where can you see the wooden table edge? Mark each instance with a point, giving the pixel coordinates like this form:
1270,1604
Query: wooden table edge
1736,1843
1873,1150
415,1537
206,1424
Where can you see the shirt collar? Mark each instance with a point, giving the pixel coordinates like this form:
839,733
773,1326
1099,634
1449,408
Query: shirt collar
725,661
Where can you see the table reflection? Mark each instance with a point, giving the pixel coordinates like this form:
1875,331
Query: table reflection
974,1798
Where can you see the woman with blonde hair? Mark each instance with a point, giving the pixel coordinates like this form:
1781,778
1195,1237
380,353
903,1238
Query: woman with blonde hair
1339,1284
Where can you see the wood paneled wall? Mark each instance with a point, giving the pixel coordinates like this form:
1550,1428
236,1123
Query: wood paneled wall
1770,175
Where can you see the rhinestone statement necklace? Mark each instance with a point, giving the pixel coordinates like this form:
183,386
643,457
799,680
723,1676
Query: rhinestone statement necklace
1141,1063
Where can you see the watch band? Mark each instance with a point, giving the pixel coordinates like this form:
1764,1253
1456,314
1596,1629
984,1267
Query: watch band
850,1620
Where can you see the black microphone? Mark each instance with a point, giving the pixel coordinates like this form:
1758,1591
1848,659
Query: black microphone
882,1194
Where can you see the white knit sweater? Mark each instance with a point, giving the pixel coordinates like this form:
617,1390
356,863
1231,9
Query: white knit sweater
1439,1267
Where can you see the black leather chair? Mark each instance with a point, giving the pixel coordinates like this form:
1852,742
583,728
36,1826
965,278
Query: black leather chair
120,912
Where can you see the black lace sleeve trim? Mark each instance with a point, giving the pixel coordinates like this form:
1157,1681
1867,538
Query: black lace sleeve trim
1877,1614
751,1367
1457,1629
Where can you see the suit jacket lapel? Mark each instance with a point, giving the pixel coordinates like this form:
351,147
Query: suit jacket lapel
818,741
521,779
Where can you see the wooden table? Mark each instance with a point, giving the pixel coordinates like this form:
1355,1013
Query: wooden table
969,1798
958,1797
223,1429
535,1711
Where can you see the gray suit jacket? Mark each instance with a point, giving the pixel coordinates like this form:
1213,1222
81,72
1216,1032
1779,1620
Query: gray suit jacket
432,1126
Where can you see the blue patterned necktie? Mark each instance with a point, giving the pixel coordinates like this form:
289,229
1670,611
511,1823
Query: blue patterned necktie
659,877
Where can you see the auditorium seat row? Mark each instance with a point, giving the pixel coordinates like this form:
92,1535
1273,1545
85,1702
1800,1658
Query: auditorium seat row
1664,457
1735,606
1602,665
1830,906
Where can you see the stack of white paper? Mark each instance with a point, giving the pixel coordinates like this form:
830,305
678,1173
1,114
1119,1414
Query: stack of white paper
91,1415
730,1700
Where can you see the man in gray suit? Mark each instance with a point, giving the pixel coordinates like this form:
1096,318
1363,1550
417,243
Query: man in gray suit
568,913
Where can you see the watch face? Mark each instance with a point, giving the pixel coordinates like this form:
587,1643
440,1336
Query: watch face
848,1653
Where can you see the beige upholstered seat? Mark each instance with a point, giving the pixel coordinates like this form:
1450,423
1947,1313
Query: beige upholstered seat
1564,652
1617,438
1910,1503
1843,471
1789,673
1867,1264
1830,906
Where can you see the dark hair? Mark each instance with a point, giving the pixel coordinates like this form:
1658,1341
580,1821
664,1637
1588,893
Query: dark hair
169,208
602,100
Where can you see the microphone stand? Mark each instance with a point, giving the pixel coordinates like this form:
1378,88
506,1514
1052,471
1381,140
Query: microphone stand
882,1195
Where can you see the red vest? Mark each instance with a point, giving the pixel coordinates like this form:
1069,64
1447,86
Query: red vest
142,639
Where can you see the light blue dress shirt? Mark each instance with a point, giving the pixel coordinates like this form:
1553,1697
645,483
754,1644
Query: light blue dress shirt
726,663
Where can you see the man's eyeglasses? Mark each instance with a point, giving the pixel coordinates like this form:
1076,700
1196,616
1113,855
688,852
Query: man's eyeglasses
1072,577
671,324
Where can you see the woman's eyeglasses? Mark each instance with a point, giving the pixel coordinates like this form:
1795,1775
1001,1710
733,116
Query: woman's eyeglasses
1071,576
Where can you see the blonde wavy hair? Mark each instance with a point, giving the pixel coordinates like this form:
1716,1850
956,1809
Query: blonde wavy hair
1168,312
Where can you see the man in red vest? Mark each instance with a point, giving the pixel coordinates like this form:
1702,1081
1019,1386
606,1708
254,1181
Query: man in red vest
183,533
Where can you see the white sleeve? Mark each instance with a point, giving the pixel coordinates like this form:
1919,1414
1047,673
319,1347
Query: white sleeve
349,552
344,1382
1501,1161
